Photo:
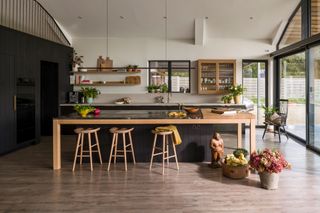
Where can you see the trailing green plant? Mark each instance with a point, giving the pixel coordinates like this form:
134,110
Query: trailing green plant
269,111
153,88
90,92
236,90
227,98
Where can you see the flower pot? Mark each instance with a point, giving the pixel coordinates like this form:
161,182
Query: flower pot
89,100
237,99
235,172
269,180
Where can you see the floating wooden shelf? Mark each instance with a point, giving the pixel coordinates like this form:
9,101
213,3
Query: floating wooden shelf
104,72
105,85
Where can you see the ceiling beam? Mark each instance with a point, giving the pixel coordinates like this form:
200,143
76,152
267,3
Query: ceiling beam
278,34
200,31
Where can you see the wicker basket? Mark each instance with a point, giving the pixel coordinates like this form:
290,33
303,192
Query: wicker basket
235,172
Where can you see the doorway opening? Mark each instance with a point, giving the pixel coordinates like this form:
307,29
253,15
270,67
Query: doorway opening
49,95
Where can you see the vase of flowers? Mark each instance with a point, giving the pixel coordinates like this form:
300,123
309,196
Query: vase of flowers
269,164
236,91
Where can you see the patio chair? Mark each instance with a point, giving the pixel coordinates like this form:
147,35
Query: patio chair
280,122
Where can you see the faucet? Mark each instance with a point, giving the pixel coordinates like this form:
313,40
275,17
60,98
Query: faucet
169,95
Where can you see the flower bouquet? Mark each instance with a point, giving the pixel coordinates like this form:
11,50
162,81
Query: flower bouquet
268,163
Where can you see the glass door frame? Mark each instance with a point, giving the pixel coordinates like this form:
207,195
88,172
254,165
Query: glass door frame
266,81
277,88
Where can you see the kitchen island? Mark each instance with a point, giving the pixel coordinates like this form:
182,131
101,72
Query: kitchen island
149,118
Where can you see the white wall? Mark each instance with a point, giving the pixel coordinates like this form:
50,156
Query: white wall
124,51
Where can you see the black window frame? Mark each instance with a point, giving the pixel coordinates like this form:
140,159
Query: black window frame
170,72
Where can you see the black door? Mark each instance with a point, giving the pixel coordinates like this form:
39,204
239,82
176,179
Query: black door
7,104
49,96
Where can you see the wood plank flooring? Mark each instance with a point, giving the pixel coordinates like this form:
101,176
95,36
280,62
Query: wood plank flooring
28,184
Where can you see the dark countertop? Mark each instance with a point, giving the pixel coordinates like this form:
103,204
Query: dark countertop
124,114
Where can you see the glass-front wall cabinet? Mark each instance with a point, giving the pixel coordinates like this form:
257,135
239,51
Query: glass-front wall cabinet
215,76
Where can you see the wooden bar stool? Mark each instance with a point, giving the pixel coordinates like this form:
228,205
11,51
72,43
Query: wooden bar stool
80,141
164,150
114,146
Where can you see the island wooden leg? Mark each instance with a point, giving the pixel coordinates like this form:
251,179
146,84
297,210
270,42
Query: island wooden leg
239,142
56,145
252,135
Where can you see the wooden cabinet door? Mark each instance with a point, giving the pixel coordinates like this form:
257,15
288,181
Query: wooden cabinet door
7,104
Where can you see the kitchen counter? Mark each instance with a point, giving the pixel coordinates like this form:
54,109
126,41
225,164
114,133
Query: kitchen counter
195,133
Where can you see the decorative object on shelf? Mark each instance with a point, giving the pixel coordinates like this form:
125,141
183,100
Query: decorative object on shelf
97,111
227,98
76,61
104,64
133,80
90,93
217,150
132,68
124,100
236,91
269,163
84,110
236,165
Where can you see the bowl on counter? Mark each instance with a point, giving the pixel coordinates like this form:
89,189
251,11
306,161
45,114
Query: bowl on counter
191,109
119,102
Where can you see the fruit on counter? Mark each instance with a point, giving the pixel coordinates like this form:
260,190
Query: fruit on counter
232,160
84,110
177,114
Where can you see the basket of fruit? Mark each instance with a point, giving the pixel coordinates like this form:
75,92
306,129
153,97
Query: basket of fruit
236,165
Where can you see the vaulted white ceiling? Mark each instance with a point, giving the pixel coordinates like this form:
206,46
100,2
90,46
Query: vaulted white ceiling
144,18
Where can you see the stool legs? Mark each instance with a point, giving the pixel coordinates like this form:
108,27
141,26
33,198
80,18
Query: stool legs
82,139
90,151
77,150
98,146
153,149
164,151
114,148
175,152
132,150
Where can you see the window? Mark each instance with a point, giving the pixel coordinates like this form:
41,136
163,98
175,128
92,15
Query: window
292,33
293,88
174,74
315,17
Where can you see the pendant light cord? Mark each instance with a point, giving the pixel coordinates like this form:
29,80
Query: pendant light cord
166,30
107,28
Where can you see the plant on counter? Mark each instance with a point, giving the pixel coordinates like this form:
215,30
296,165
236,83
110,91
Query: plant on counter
268,163
153,88
236,91
227,98
90,93
84,110
164,88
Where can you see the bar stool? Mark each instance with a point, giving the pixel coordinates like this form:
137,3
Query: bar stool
164,150
114,146
80,141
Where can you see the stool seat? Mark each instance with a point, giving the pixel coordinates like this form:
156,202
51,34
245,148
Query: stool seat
121,130
114,146
80,141
164,149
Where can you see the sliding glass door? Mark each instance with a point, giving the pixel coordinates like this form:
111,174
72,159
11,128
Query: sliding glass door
314,91
254,77
292,87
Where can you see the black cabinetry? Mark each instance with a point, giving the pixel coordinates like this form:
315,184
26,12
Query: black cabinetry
20,85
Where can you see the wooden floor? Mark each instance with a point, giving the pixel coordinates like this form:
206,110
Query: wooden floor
27,184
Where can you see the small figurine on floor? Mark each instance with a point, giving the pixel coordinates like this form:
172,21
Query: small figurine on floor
217,150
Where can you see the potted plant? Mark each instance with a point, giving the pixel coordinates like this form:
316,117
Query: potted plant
269,111
90,93
227,98
268,163
236,91
129,68
84,110
236,165
76,61
164,88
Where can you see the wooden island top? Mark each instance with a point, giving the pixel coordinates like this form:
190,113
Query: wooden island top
156,117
